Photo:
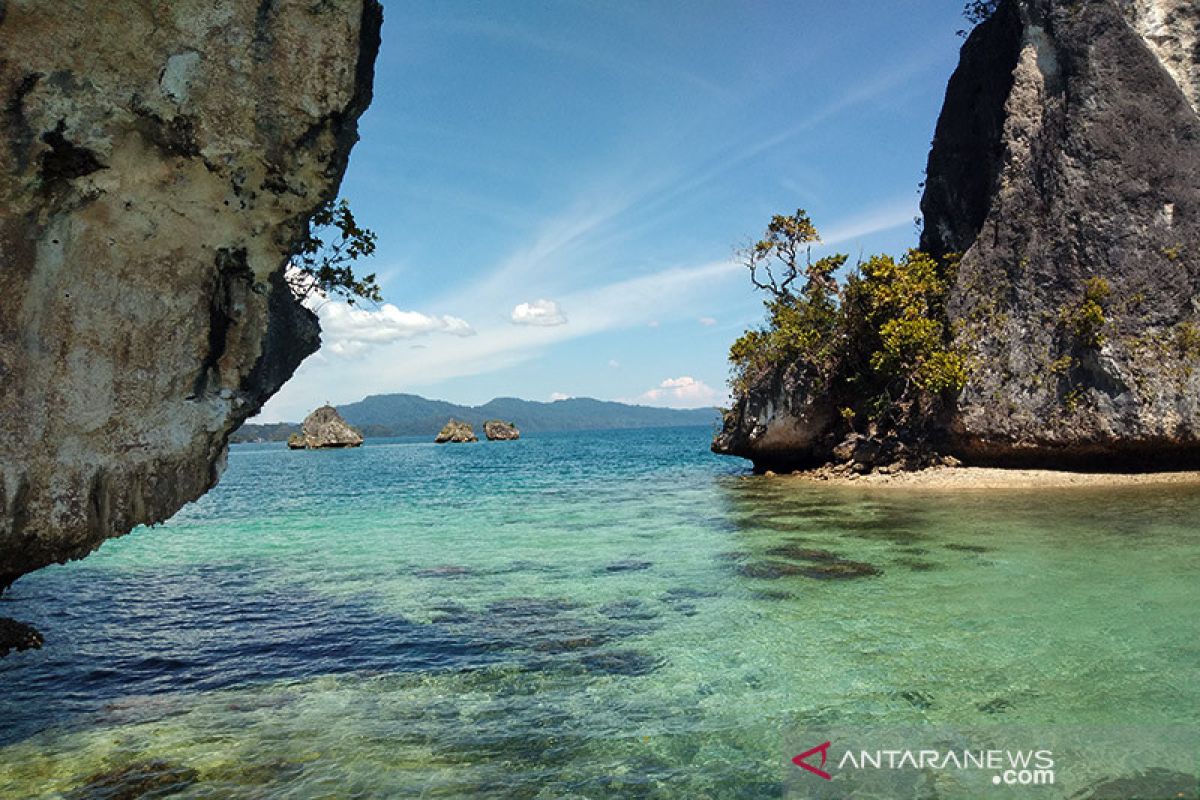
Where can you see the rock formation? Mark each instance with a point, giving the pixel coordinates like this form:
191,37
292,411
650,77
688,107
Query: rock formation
160,163
497,430
456,432
1079,121
1066,170
17,636
324,428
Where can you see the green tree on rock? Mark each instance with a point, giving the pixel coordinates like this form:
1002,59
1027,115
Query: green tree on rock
877,342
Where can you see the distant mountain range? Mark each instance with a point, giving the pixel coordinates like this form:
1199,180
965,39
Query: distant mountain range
412,415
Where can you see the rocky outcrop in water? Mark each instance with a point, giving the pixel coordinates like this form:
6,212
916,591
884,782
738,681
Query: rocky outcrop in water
496,430
456,432
325,428
17,636
1066,170
160,163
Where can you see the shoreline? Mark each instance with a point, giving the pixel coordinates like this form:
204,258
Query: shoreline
971,478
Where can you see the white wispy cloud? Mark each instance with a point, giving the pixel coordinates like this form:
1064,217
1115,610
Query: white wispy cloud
682,392
540,312
707,322
556,396
348,330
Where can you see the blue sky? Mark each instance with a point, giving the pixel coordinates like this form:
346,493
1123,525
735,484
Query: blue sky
559,187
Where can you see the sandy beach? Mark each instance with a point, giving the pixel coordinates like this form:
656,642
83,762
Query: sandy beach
963,478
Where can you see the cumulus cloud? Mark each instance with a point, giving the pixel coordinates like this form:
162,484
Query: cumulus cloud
559,396
539,312
683,391
349,331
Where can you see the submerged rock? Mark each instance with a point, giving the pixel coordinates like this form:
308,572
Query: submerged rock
495,430
160,165
456,432
141,779
1153,782
841,570
17,636
1065,169
817,564
628,663
629,565
325,428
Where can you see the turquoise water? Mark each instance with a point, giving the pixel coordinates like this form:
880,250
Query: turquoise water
614,614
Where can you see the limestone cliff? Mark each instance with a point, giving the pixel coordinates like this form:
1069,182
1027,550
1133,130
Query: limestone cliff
160,162
1091,177
1066,170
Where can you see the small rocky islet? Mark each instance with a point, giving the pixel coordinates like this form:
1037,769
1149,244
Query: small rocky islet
455,432
498,430
324,429
459,432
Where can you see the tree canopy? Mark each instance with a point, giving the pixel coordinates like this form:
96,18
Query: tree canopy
876,341
323,261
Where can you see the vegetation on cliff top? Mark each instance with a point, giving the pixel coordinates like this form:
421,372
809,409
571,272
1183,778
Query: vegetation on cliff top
877,343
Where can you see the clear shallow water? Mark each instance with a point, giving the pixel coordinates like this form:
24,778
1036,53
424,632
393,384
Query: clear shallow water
616,614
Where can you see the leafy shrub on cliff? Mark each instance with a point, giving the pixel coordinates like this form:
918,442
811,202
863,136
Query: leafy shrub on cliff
1086,320
977,11
877,344
903,304
323,262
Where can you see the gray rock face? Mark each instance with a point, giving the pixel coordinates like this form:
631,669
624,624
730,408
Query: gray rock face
780,422
457,433
160,161
325,428
497,430
1092,164
1066,165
